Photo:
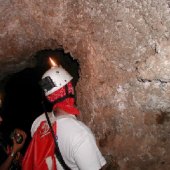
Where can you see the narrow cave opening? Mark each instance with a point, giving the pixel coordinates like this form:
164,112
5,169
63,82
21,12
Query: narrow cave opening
22,94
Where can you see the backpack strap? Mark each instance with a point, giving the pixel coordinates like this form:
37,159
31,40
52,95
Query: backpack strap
57,150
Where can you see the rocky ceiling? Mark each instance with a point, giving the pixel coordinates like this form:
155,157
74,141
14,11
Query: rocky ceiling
123,49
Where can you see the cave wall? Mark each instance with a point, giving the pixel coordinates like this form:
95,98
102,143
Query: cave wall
123,50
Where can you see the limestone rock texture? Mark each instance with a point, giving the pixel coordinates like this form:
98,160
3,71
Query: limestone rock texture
123,49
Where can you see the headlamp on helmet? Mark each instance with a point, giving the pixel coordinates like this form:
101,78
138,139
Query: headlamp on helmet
54,79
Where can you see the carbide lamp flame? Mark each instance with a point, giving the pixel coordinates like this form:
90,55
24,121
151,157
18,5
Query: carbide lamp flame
53,64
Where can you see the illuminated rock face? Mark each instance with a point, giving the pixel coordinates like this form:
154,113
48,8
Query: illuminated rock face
124,56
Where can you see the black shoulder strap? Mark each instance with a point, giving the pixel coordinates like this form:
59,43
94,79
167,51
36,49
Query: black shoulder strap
57,150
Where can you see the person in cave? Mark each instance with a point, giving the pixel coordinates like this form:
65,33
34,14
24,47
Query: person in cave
60,131
10,156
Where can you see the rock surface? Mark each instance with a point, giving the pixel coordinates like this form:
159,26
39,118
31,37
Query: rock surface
123,48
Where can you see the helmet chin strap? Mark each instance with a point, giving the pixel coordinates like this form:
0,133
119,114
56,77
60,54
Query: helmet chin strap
64,97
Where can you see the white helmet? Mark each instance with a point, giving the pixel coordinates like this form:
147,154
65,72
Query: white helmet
54,79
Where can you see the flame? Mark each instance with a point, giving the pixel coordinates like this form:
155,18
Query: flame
53,64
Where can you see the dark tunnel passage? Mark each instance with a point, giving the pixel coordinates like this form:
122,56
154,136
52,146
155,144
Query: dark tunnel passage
22,94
